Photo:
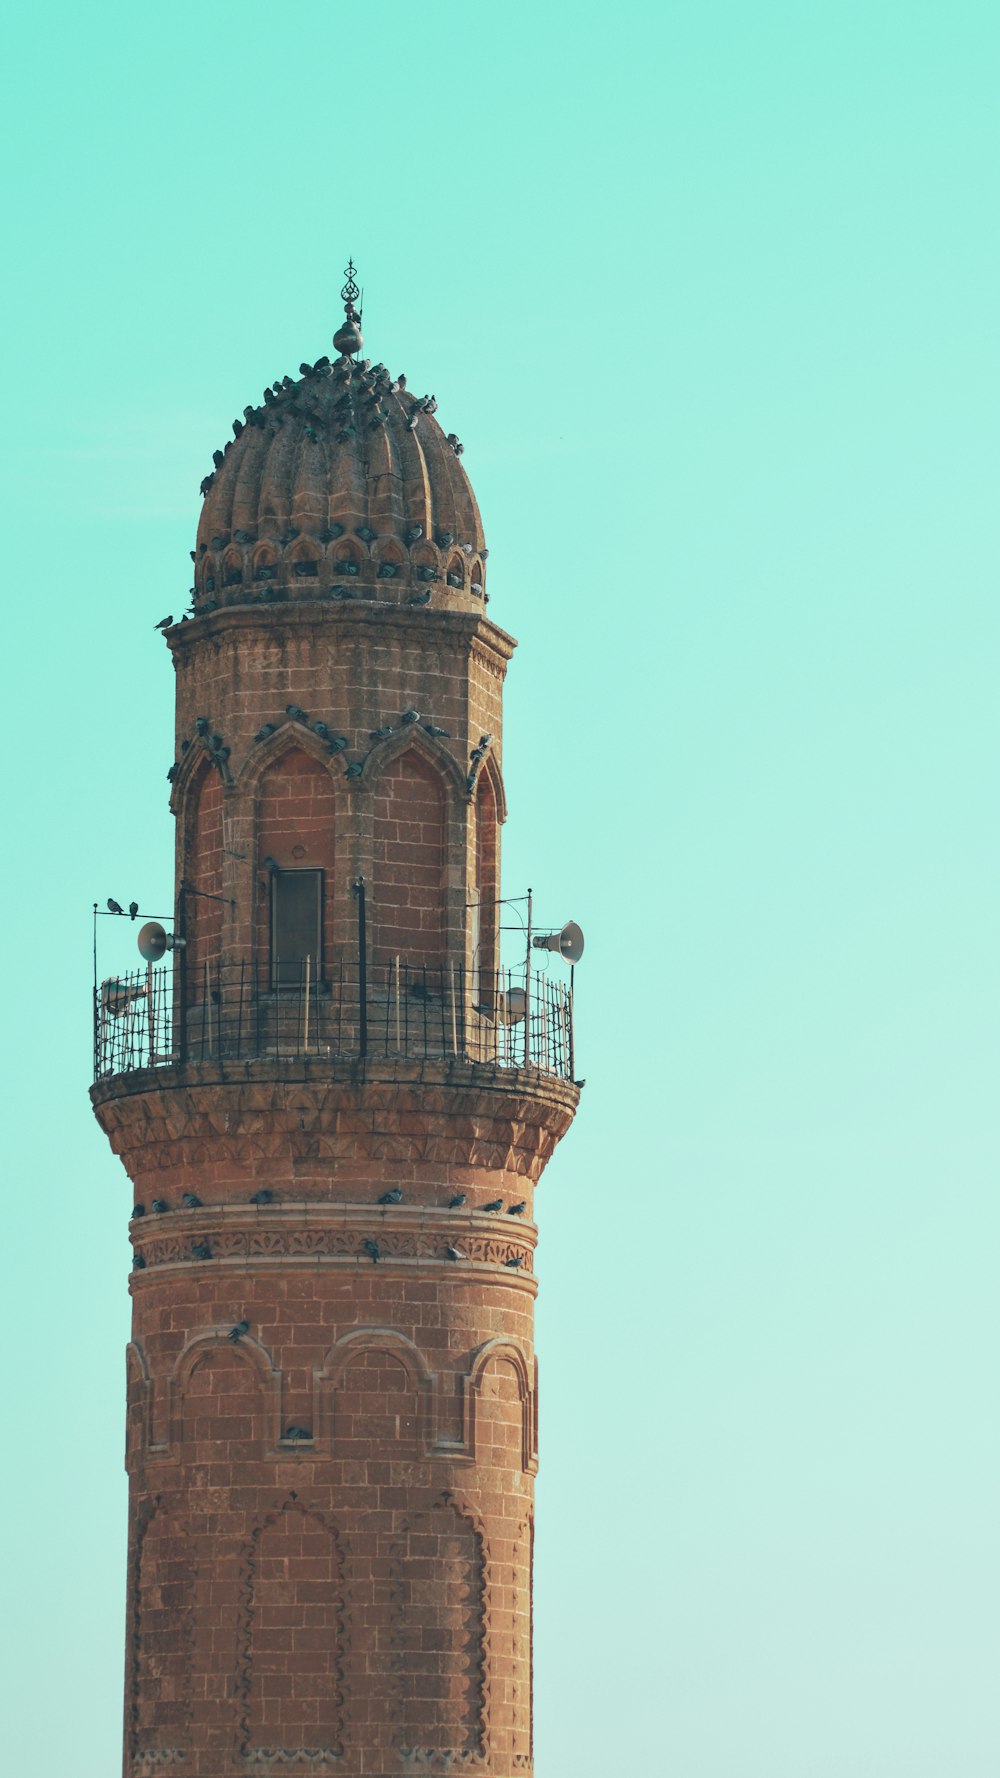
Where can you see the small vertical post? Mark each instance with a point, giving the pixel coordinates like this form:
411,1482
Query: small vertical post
305,1020
359,890
150,1014
454,1021
572,1068
396,971
527,991
180,966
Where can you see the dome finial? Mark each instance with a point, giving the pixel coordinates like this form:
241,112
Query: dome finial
347,338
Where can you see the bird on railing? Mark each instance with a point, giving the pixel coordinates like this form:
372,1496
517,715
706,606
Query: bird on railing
296,1433
431,728
517,1209
201,1250
138,1210
236,1333
515,1260
394,1196
114,907
453,1253
497,1204
457,1201
264,1196
191,1201
160,1205
373,1251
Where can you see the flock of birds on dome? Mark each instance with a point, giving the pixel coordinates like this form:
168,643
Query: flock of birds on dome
359,409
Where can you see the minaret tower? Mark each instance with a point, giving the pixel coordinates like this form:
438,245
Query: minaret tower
334,1108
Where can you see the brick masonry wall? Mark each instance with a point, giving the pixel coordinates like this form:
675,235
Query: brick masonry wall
331,1401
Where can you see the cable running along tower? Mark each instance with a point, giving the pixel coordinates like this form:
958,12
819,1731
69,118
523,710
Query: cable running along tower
334,1106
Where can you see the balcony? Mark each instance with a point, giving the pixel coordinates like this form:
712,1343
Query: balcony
233,1012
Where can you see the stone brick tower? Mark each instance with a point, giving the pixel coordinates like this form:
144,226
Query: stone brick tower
334,1113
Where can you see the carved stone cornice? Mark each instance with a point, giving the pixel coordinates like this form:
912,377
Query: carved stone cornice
179,1118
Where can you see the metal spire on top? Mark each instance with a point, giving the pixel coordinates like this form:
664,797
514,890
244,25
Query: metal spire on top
348,338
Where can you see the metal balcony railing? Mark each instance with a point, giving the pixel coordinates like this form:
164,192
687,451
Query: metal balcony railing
233,1012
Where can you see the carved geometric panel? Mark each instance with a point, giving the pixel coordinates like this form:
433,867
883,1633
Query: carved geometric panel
290,1677
439,1636
162,1642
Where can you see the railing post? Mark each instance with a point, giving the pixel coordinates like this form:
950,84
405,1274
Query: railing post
358,887
527,991
180,964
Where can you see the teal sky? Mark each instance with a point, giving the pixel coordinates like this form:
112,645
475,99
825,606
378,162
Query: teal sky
712,296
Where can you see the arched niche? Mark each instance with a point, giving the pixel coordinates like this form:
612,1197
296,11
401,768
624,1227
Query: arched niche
484,908
294,855
292,1641
162,1639
375,1395
409,846
439,1634
203,869
501,1407
225,1399
137,1406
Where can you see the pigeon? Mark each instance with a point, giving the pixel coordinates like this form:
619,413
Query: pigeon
133,909
366,534
138,1210
373,1251
114,907
263,1197
266,729
454,1253
394,1196
457,1201
336,744
296,1433
516,1259
271,864
380,734
160,1205
191,1201
497,1204
355,770
236,1333
201,1250
138,1263
164,623
485,741
445,539
295,713
320,729
409,716
172,773
201,725
431,728
414,533
420,598
517,1209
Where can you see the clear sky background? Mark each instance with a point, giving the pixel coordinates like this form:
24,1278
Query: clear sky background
712,295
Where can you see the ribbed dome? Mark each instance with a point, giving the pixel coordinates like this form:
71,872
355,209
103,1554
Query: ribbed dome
340,484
